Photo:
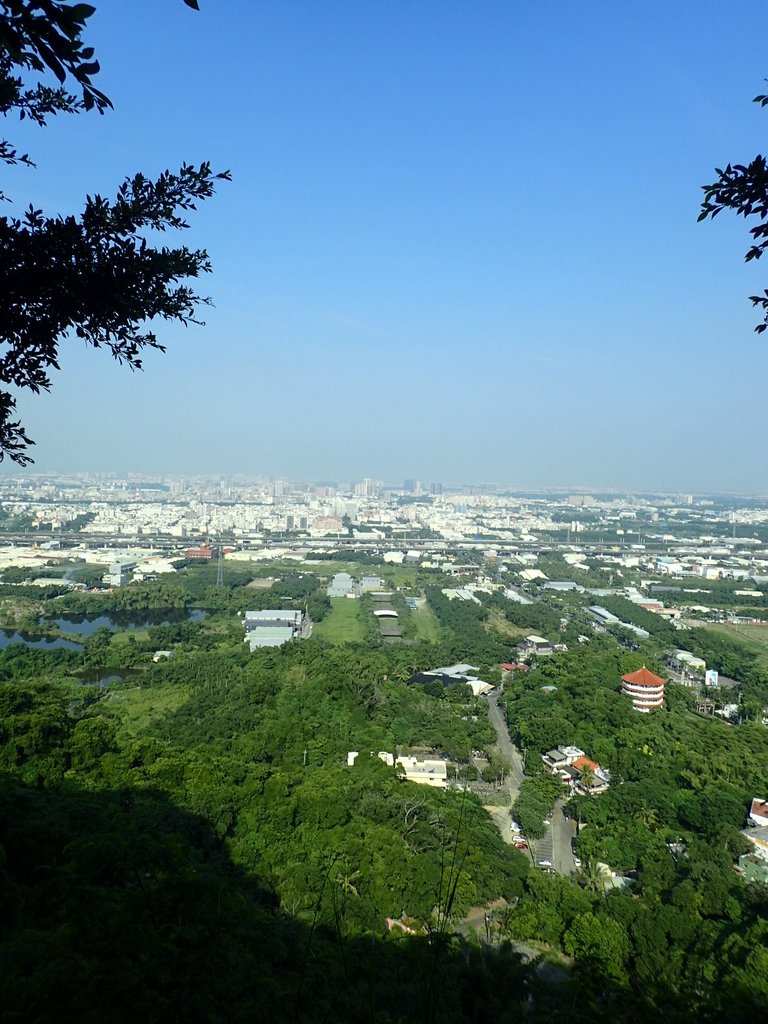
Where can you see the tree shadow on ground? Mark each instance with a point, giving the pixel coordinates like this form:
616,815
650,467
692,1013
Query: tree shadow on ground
118,906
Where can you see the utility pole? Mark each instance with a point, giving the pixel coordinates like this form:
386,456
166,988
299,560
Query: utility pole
220,567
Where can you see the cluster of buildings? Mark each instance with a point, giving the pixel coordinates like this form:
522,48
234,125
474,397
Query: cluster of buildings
572,766
666,538
344,585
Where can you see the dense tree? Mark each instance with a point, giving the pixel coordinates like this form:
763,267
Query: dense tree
247,870
94,275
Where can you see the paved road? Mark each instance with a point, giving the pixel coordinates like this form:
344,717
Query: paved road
507,747
555,846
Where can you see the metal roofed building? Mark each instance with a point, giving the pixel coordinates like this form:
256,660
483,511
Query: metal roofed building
602,614
272,627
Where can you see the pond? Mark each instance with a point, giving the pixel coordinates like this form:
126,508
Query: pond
40,643
102,676
88,625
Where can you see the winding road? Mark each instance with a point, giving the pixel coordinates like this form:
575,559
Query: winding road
554,849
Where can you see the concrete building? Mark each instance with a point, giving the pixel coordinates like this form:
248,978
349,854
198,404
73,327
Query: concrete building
371,583
120,574
451,675
758,812
534,645
426,771
575,769
342,585
645,689
758,836
602,615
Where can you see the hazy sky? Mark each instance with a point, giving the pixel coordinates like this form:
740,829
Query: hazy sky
460,243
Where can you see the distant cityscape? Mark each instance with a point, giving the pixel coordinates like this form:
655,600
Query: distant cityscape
251,510
630,545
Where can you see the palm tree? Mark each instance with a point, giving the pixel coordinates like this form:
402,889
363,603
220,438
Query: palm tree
647,817
590,877
346,881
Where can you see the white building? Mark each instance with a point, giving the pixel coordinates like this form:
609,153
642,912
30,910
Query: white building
425,771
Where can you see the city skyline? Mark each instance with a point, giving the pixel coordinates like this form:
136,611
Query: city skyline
366,486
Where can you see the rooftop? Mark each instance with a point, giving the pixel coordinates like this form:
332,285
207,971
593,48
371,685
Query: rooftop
642,678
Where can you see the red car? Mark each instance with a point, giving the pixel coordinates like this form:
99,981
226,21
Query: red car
521,846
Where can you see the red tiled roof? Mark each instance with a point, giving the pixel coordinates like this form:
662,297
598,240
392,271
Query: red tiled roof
759,808
508,666
642,678
584,762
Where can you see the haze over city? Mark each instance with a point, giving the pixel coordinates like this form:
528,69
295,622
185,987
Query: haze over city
460,243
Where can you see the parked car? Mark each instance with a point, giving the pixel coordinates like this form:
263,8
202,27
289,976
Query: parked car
521,846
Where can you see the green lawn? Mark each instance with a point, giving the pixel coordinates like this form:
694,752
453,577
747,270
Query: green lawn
342,623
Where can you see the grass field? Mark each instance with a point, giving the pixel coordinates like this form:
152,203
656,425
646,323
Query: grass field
753,637
427,626
499,624
342,623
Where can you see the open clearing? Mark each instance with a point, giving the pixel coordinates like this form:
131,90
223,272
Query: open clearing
753,637
342,623
425,621
499,624
139,709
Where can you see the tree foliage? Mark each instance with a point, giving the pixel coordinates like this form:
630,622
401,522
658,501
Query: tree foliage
95,275
743,188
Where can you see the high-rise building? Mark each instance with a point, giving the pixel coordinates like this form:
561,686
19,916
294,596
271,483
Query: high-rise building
435,488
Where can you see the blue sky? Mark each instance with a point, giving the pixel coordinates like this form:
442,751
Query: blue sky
460,243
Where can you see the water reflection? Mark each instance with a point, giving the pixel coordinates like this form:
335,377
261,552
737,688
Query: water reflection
88,625
39,643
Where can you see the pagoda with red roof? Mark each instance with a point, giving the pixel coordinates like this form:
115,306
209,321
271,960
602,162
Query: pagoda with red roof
645,689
